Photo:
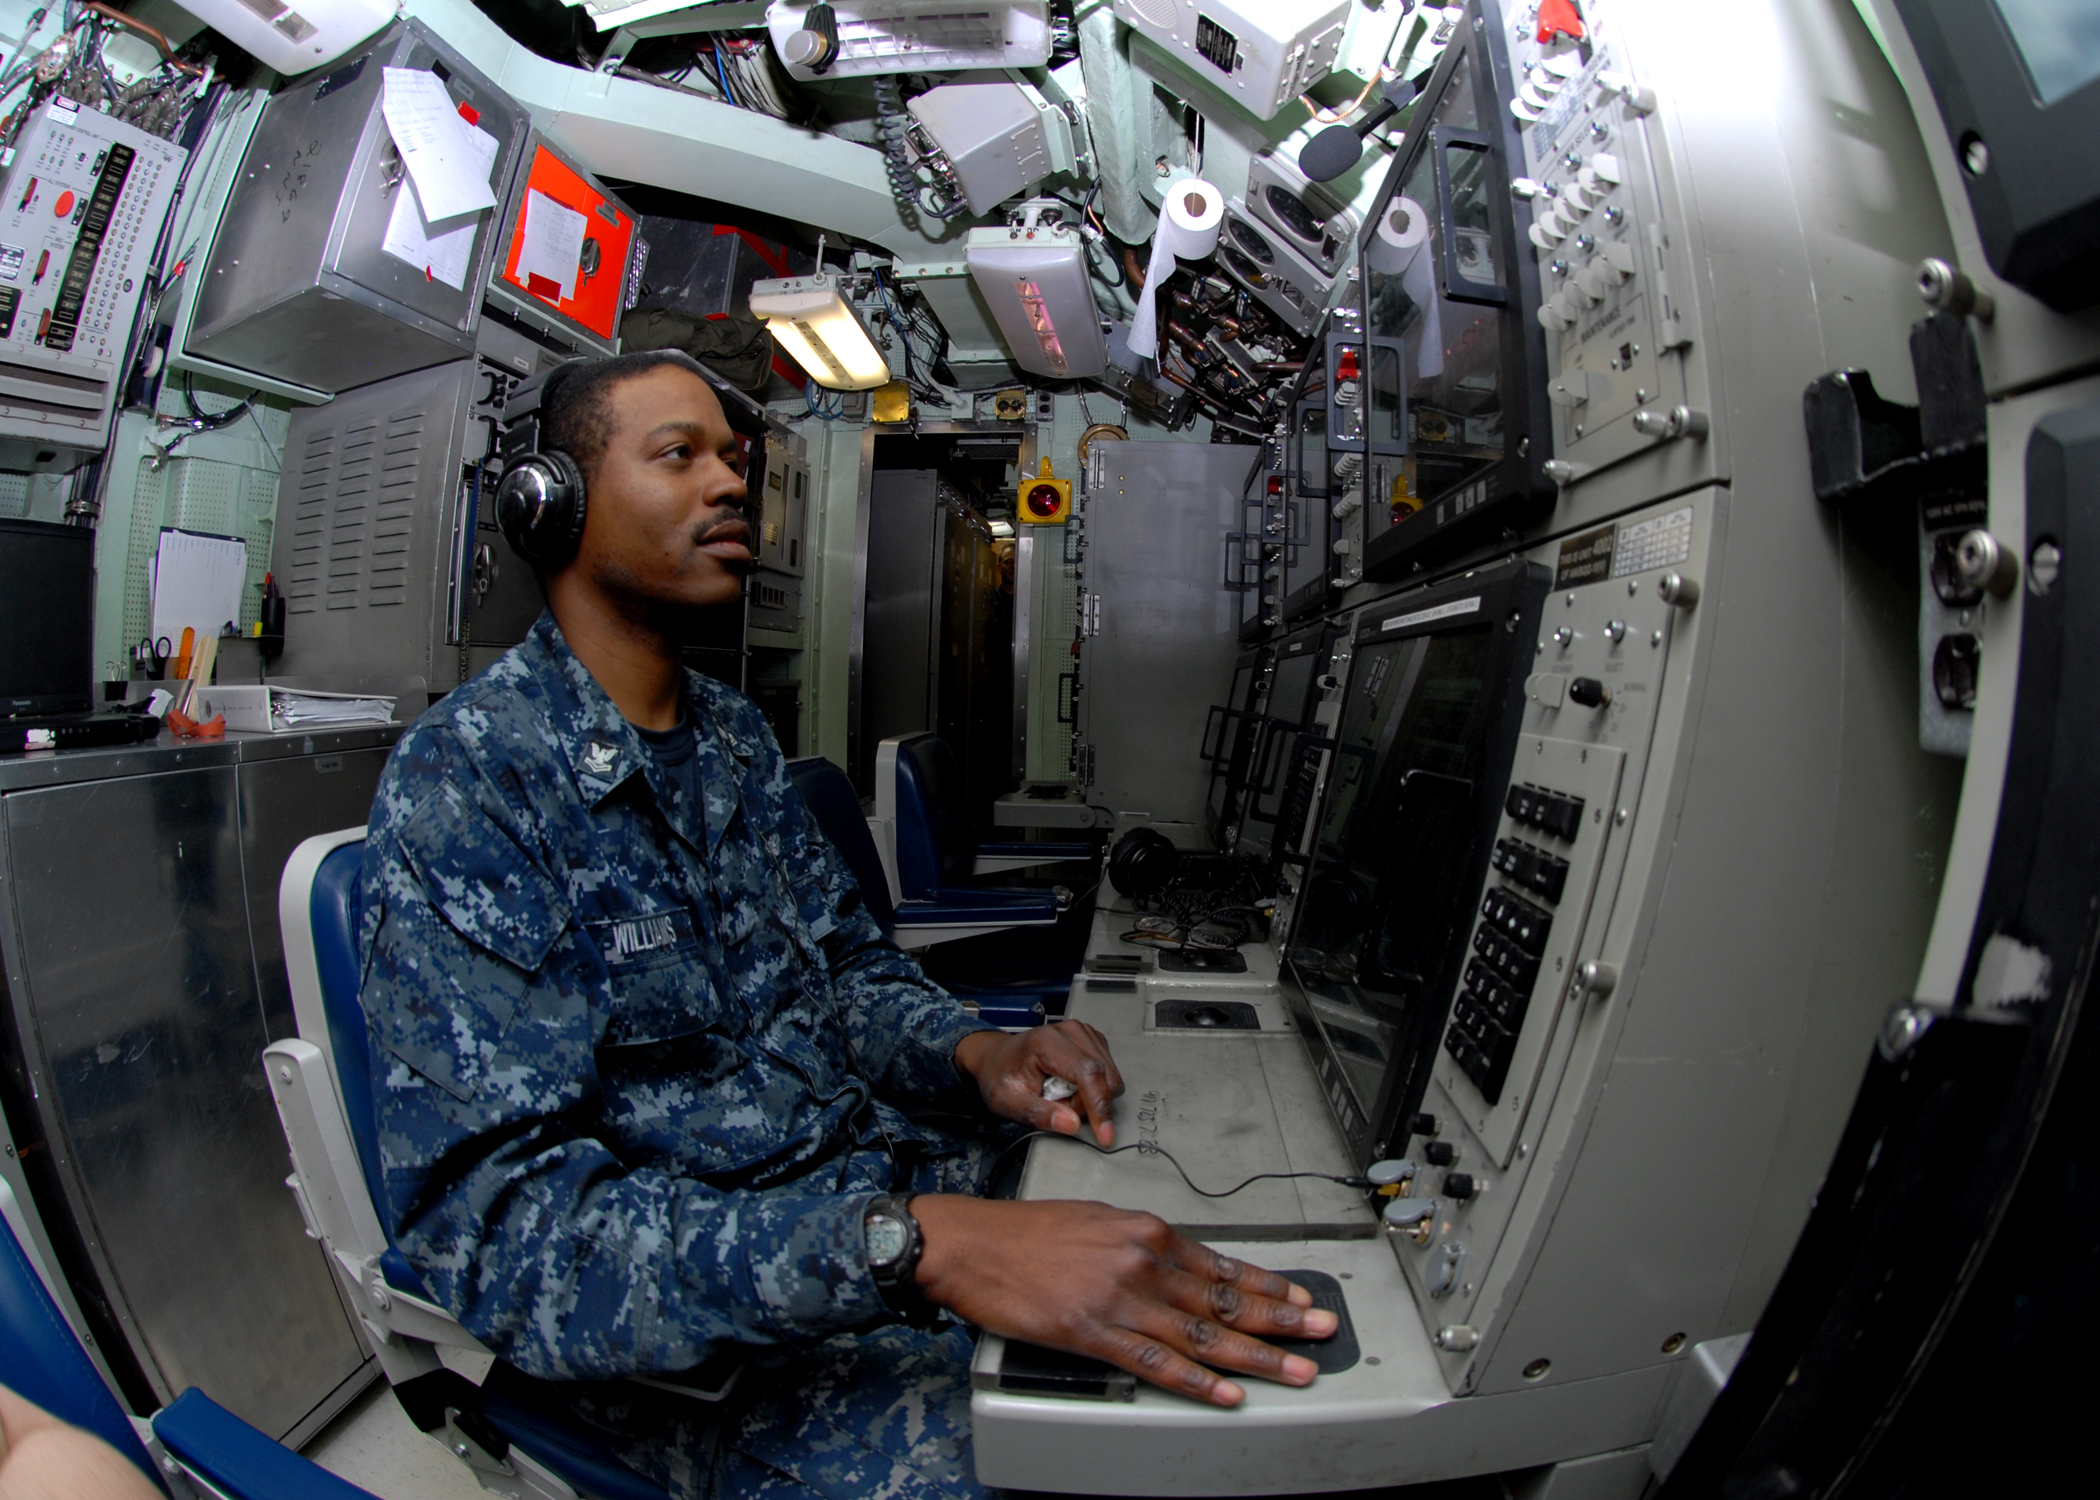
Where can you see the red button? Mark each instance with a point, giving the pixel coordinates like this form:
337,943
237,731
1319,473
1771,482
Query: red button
64,205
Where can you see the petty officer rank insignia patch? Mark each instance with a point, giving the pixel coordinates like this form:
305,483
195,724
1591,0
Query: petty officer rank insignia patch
627,940
598,758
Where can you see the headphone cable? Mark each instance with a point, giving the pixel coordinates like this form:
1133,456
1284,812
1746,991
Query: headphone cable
1150,1148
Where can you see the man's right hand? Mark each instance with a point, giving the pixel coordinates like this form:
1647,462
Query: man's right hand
1118,1286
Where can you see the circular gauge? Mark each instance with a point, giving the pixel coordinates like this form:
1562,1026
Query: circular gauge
1043,500
1243,234
1245,268
1291,212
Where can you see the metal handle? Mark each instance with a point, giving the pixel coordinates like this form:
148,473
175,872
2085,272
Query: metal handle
1459,288
1220,715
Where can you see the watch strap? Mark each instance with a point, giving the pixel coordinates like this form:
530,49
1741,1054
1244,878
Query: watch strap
898,1279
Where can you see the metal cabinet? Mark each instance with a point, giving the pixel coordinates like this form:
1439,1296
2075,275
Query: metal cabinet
144,976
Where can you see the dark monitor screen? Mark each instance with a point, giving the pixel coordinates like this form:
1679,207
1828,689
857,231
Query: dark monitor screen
1391,836
1290,696
2017,83
47,604
1229,748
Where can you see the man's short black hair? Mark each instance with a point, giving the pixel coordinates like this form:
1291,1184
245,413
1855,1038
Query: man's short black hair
576,408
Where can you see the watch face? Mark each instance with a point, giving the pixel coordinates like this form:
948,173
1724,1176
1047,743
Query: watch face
887,1238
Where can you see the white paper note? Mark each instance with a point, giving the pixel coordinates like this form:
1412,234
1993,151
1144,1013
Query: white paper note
197,584
435,145
553,243
448,256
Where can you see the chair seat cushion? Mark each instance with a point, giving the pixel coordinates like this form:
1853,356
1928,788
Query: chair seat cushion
532,1414
400,1275
239,1461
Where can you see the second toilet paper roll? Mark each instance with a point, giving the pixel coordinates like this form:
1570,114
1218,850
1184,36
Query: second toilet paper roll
1188,228
1398,238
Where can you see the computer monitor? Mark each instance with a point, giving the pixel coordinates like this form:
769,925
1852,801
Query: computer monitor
47,607
2018,86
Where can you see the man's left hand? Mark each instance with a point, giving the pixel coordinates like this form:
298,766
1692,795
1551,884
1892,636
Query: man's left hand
1011,1068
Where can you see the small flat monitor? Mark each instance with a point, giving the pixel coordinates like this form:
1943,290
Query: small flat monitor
2018,88
47,610
1420,762
1289,711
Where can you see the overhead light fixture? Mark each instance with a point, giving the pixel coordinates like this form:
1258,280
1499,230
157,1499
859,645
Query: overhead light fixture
1002,529
814,322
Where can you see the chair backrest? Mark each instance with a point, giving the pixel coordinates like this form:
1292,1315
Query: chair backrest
828,794
934,841
317,908
45,1362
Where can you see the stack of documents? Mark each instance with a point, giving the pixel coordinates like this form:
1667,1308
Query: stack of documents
256,709
294,709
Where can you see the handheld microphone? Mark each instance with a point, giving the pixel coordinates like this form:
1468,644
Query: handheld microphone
1339,147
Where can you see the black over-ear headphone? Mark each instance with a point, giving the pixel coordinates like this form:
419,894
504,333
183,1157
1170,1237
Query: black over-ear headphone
1142,862
540,499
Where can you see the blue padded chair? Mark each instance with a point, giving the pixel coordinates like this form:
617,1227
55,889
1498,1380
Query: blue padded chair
923,830
1011,990
516,1431
190,1444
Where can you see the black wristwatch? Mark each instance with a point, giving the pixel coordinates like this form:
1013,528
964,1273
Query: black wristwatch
894,1243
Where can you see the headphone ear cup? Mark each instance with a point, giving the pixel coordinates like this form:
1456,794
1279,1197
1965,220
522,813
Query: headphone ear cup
540,504
1142,862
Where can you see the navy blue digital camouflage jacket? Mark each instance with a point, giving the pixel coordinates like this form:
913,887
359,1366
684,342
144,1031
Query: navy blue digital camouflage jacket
625,1049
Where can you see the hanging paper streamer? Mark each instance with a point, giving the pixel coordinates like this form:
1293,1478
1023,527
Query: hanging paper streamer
1188,227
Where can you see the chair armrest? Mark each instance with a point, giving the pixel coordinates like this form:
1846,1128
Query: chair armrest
237,1461
329,1181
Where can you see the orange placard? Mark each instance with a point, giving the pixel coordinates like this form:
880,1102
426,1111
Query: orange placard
596,305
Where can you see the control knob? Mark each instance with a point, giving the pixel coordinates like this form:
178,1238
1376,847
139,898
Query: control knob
1422,1124
1460,1185
1589,692
1440,1153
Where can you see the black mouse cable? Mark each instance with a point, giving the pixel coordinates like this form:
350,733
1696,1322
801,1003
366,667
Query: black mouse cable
1150,1148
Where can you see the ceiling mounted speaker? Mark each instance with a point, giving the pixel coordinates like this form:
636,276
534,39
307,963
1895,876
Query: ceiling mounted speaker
1262,261
1317,226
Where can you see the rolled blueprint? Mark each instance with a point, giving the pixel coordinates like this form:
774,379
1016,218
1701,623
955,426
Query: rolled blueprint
1188,227
1401,232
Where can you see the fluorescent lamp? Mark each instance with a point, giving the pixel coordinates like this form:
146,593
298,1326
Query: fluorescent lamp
1002,529
818,327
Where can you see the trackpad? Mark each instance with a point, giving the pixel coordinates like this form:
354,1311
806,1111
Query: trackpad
1030,1370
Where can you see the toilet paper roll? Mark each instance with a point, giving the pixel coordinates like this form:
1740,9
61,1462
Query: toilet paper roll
1188,227
1398,237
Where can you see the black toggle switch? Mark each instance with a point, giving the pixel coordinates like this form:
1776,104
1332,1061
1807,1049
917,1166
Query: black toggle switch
1422,1124
1589,692
1440,1153
1459,1185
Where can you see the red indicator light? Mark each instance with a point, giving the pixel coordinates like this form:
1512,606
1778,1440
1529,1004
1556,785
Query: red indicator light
63,206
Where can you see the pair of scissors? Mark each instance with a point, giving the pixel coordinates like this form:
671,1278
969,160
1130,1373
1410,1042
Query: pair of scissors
154,654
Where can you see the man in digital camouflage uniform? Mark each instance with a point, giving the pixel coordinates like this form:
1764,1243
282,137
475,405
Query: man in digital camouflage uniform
651,1078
